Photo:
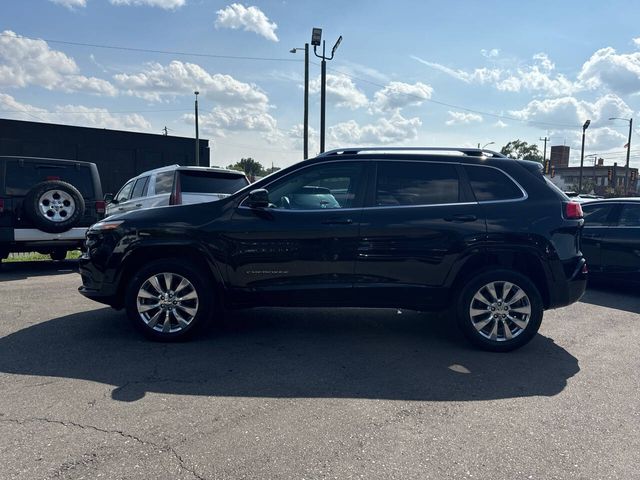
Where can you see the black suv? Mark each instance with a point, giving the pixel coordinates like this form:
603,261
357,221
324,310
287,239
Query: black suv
46,205
425,228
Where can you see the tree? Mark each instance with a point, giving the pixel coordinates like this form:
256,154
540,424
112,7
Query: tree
249,166
522,150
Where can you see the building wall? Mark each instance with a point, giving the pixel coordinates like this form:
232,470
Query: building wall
119,155
559,156
568,177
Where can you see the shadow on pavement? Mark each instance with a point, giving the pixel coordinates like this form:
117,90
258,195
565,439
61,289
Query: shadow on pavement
619,297
353,353
22,270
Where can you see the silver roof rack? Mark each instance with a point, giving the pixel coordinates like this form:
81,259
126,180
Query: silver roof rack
471,152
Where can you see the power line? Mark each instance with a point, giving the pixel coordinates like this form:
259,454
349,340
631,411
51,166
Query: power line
164,52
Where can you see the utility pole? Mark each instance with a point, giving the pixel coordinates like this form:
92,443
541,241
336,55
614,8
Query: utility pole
626,168
584,129
315,41
165,131
197,132
544,155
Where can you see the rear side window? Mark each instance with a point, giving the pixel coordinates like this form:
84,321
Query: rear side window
596,215
20,178
164,182
416,183
630,216
490,184
211,182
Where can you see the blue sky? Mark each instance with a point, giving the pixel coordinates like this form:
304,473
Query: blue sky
406,73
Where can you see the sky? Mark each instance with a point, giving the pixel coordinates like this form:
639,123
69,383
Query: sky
407,73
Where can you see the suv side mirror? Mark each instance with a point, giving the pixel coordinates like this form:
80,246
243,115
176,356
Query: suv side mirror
108,198
258,198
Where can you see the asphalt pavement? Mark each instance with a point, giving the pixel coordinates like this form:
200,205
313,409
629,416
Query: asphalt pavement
311,394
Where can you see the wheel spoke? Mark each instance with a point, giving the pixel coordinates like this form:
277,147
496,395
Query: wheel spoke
189,296
480,297
483,323
166,326
146,294
156,284
507,330
491,287
506,289
168,280
189,310
183,283
517,296
494,331
153,320
522,324
525,309
145,308
181,320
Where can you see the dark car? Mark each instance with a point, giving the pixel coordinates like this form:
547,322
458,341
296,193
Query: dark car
47,204
611,239
462,229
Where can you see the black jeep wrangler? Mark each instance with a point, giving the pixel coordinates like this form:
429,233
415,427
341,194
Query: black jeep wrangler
487,237
47,204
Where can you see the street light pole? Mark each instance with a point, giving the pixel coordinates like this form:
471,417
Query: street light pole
197,132
626,168
316,35
306,98
584,128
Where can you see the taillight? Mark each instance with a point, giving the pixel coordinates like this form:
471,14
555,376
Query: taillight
101,206
573,210
1,205
176,197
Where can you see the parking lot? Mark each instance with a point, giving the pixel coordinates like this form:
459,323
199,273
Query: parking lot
311,394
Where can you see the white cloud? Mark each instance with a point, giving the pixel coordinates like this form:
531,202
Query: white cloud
71,4
75,115
617,72
164,4
395,129
250,19
538,77
571,111
397,95
233,119
158,81
479,75
500,124
636,42
342,91
494,52
25,62
296,134
462,118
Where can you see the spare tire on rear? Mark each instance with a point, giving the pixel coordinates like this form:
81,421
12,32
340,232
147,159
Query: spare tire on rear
54,206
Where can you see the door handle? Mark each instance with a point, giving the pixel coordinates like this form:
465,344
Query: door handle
338,221
120,208
138,204
461,218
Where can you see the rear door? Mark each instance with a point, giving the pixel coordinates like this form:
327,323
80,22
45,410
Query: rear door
620,245
598,220
418,220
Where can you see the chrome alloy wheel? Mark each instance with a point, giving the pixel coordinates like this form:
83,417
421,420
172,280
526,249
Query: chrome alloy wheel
167,302
56,205
500,311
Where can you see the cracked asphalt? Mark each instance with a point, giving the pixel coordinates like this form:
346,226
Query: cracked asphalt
311,394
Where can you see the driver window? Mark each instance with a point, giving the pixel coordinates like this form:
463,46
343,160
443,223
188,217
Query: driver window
124,193
317,187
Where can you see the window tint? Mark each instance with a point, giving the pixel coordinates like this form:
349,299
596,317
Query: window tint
125,192
164,182
416,183
141,187
318,187
490,184
21,178
630,216
595,215
211,182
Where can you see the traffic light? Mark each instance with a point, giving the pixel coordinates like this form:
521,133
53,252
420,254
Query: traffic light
546,166
634,175
553,172
610,174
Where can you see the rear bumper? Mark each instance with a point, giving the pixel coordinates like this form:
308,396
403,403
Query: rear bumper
568,289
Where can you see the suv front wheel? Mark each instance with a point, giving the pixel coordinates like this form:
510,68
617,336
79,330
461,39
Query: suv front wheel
499,310
169,300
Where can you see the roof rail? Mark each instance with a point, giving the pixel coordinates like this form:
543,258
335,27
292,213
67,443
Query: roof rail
471,152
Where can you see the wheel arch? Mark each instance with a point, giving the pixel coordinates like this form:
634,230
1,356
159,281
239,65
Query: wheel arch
524,261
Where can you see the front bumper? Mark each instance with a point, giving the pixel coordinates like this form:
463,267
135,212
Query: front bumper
94,285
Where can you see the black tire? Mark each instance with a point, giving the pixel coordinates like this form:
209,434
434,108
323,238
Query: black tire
503,314
58,254
54,218
205,303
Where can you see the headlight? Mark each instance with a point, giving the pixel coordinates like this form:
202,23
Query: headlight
108,225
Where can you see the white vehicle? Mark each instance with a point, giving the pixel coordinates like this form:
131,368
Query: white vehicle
175,185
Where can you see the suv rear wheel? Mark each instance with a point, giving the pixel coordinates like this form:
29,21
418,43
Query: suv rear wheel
499,310
169,300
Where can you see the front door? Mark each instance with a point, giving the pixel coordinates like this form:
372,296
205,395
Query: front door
301,249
